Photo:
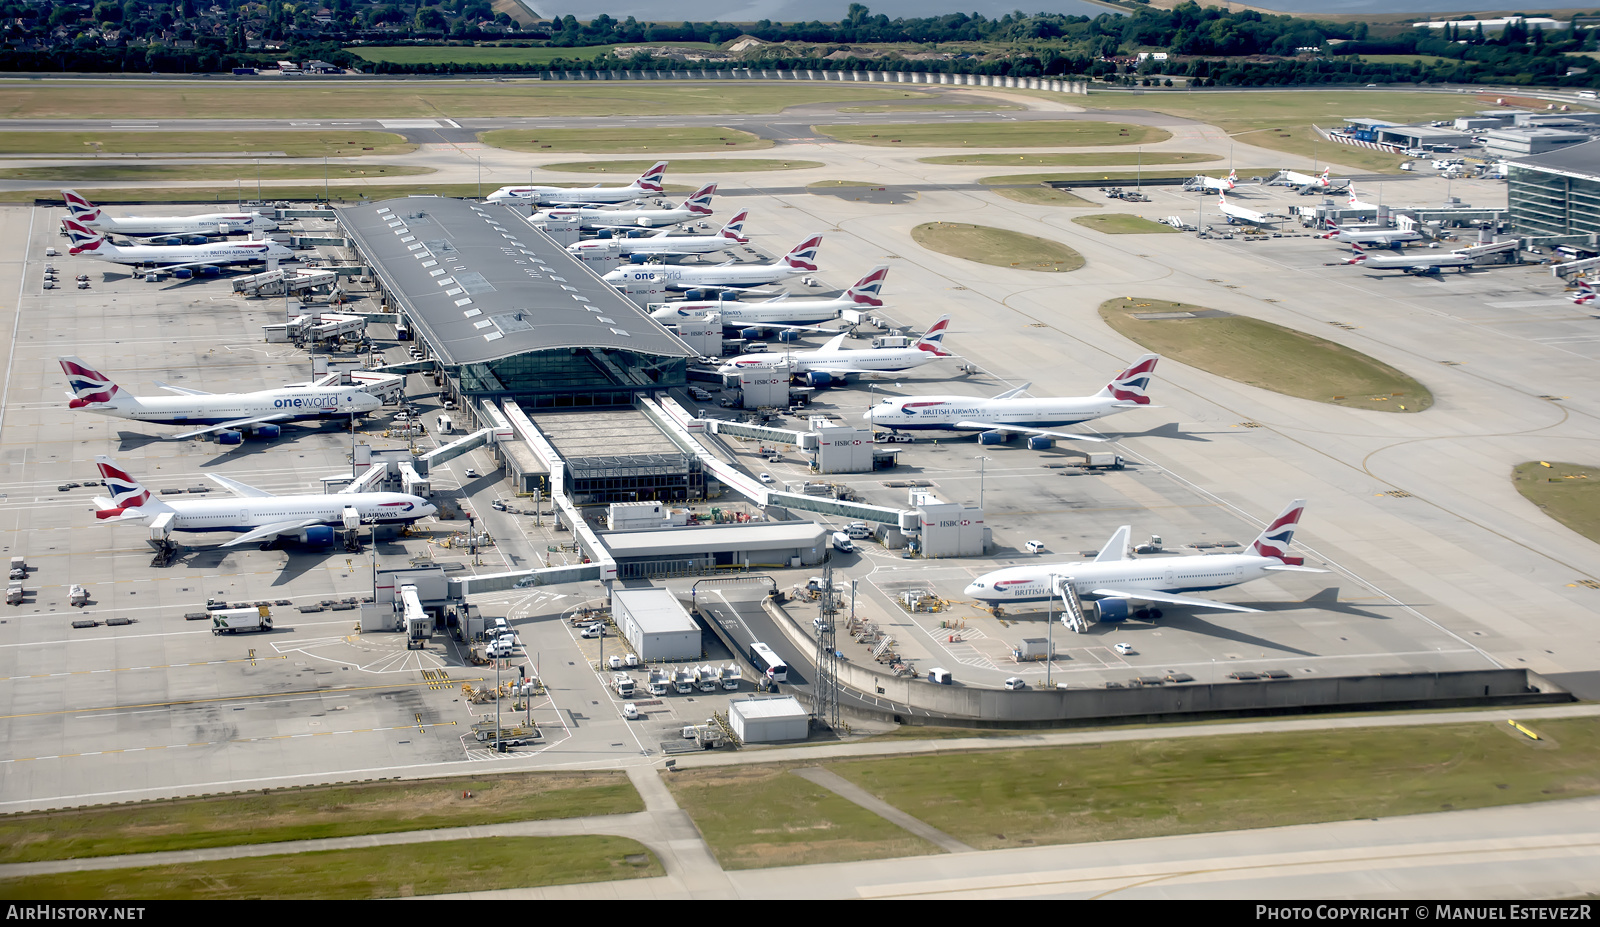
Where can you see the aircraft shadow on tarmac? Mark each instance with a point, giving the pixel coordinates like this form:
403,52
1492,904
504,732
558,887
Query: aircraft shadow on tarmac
1326,600
1188,621
301,560
1169,431
133,440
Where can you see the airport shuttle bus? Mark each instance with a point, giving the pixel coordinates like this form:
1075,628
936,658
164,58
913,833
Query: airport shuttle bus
763,659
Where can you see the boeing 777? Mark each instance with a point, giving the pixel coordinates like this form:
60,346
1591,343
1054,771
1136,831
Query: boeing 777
1012,412
648,184
697,206
798,261
1113,579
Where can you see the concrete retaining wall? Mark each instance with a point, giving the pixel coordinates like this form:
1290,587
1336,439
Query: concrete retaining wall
896,77
916,701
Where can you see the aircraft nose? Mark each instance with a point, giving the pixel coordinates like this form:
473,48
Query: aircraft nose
971,590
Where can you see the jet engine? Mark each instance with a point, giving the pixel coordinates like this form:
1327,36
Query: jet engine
266,432
320,535
230,437
820,380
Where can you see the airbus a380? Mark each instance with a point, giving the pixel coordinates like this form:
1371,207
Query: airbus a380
697,206
180,258
1115,579
782,311
192,229
798,261
260,413
257,515
832,363
1012,412
648,184
729,236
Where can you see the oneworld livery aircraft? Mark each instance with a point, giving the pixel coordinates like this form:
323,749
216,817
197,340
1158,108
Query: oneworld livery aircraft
259,413
648,184
1012,412
1113,579
256,514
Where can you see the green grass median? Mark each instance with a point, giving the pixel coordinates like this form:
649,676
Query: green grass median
1265,355
602,140
1045,196
307,813
408,870
1567,492
995,134
999,247
293,143
1118,223
683,166
248,173
1075,159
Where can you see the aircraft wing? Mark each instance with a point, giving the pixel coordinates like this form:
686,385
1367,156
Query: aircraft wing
183,390
238,488
236,423
273,530
1020,429
794,328
1149,595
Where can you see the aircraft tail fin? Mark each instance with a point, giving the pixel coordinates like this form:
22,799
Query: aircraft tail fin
867,291
804,255
734,230
651,180
80,207
1325,180
1130,385
1273,543
700,202
933,339
1116,548
1233,178
128,496
84,239
1586,293
88,386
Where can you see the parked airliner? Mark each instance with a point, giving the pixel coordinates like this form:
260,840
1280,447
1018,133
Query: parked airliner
798,261
181,259
1115,579
1012,412
832,363
781,311
259,413
660,243
256,514
189,229
697,206
648,184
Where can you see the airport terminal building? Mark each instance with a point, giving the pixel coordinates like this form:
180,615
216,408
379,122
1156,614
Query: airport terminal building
506,312
1556,193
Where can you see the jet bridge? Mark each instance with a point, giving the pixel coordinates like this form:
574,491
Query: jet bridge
804,440
756,491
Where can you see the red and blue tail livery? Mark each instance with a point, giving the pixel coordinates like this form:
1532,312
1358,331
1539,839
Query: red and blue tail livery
804,255
1274,542
87,385
933,340
1585,294
700,202
651,180
126,492
1131,385
868,290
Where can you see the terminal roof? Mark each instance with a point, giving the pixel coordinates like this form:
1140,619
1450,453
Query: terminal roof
1574,160
480,283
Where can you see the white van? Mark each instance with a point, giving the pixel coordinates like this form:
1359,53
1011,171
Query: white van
593,631
940,676
842,543
858,531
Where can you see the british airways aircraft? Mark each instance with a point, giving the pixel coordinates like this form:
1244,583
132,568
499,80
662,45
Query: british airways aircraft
648,184
1010,411
183,260
260,413
1113,579
190,229
256,514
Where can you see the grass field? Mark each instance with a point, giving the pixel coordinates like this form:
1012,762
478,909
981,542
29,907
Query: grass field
999,247
106,173
1045,196
87,99
1282,121
1567,492
927,107
996,134
1427,60
304,814
230,193
1119,223
404,871
1118,176
491,54
683,166
294,144
1268,356
1117,791
830,184
601,140
1081,159
799,822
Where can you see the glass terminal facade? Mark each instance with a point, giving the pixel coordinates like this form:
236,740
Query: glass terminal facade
572,378
1546,203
